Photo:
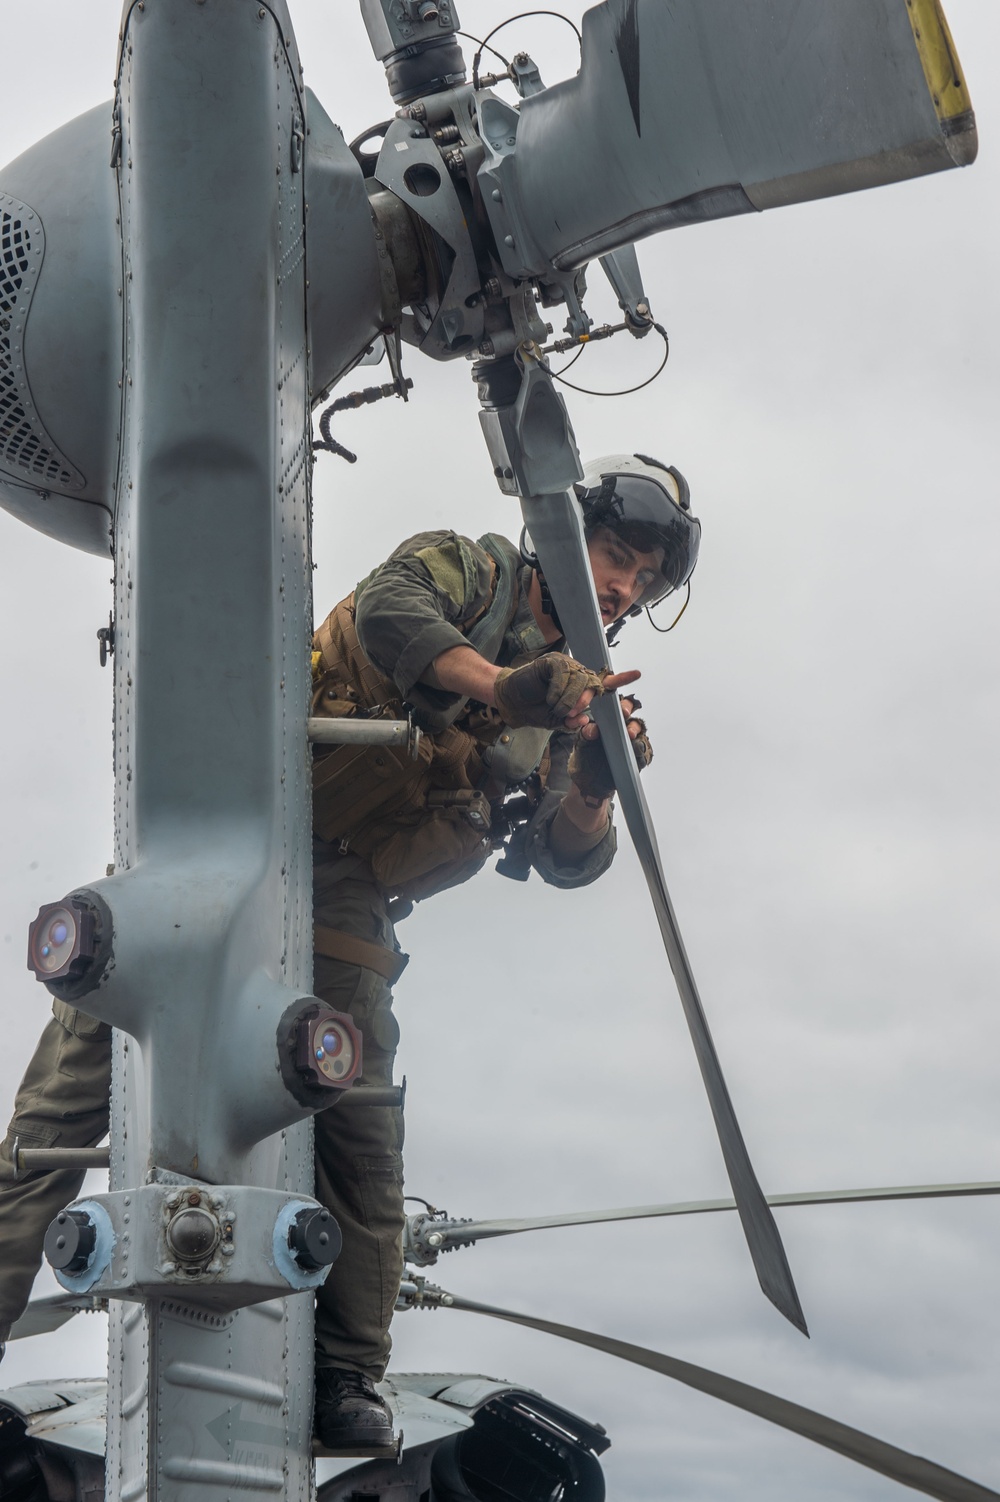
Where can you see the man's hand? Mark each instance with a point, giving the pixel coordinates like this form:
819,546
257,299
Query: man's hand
461,670
552,692
578,718
588,766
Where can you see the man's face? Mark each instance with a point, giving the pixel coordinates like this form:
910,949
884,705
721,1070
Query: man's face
621,573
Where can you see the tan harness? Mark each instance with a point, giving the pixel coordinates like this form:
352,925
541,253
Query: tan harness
421,824
335,945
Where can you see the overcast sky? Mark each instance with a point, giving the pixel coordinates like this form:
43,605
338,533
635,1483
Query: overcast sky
827,740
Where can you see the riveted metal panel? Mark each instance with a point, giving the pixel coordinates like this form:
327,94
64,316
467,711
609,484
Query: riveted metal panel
213,614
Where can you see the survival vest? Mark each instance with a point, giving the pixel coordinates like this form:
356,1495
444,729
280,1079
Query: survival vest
422,824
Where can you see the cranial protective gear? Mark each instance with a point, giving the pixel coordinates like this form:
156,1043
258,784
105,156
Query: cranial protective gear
648,505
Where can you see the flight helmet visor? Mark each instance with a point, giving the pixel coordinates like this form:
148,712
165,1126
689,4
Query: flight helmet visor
647,505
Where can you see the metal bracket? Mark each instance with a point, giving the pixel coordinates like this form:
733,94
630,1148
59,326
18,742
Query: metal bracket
144,1251
525,76
411,166
621,267
531,442
106,638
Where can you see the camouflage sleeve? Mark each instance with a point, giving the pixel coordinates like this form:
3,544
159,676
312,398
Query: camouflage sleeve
414,606
559,867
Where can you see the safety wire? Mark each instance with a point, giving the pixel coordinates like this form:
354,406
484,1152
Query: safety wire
416,1198
520,17
557,374
629,390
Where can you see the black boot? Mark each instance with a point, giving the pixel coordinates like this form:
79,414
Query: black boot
349,1412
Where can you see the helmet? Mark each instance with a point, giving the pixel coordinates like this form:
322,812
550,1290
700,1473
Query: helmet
648,505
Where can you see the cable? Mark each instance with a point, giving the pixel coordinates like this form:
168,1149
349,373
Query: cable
663,630
520,17
630,389
556,374
483,47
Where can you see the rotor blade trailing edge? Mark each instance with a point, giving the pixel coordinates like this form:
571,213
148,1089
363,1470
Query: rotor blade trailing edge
702,109
854,1444
556,528
464,1233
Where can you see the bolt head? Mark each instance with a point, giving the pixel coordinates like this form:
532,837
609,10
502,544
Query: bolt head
193,1235
314,1239
69,1241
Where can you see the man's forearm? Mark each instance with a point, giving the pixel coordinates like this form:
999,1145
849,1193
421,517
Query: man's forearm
461,670
589,818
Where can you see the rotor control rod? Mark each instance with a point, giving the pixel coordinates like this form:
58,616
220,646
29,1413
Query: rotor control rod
603,331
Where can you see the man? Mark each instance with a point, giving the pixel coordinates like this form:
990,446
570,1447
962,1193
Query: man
465,636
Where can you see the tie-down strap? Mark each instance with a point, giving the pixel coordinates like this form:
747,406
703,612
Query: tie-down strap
334,945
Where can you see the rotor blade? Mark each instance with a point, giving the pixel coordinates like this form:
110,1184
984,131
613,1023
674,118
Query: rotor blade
42,1316
464,1233
556,528
888,1460
702,109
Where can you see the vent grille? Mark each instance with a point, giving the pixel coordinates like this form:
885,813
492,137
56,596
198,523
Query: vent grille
25,447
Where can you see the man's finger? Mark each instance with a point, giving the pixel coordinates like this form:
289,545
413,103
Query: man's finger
579,710
619,680
591,732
